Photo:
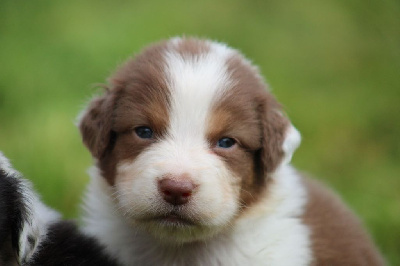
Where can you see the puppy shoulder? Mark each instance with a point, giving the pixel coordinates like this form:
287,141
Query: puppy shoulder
337,235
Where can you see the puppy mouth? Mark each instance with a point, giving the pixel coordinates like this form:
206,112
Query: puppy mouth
172,219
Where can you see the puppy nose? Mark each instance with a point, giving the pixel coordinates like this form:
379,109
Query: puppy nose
176,191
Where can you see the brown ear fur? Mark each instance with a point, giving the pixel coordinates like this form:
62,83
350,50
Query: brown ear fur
273,122
274,125
95,125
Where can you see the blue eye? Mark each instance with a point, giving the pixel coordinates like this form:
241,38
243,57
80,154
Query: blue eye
144,132
226,143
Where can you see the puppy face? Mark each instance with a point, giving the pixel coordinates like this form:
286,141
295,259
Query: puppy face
187,136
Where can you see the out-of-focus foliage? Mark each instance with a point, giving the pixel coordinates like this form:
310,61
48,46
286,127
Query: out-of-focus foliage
333,64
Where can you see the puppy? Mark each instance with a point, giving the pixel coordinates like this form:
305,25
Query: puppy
192,167
31,234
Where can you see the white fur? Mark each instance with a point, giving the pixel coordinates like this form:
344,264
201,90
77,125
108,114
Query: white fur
290,144
267,233
6,165
213,205
196,82
35,225
38,219
270,233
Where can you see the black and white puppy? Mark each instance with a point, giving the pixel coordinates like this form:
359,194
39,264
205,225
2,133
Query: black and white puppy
33,234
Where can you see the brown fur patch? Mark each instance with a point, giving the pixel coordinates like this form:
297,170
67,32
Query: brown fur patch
251,115
336,234
95,125
191,47
138,96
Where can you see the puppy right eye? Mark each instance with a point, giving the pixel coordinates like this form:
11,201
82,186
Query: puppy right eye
226,143
144,132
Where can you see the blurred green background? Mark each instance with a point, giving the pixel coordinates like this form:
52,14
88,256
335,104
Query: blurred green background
333,64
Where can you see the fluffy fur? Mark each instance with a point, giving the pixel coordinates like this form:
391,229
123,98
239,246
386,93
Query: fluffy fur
22,213
32,234
192,167
245,204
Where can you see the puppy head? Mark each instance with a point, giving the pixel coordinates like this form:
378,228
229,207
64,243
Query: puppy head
187,136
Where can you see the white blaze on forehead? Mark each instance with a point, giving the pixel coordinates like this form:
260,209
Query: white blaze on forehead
195,81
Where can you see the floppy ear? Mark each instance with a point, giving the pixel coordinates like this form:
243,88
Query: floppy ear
280,137
95,124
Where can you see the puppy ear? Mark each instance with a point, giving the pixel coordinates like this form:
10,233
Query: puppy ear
280,137
95,124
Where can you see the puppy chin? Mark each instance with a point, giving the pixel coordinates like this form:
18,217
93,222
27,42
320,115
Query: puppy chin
175,225
172,230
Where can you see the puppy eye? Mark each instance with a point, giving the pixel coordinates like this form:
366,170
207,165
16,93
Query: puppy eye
144,132
226,143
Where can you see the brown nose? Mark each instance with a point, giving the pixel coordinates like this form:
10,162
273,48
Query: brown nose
176,191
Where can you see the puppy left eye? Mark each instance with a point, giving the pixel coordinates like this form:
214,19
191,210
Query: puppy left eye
144,132
226,143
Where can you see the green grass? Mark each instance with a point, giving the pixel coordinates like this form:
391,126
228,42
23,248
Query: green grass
333,64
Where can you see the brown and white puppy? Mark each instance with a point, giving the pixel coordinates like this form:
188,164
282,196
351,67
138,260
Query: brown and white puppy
192,168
